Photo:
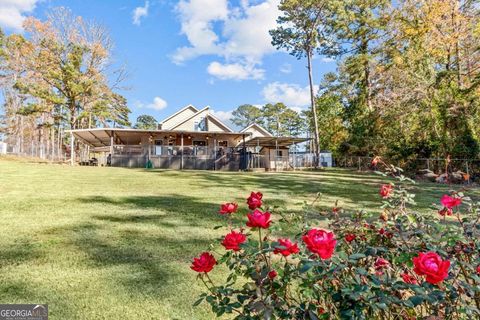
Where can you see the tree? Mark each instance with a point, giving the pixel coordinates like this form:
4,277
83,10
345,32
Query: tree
56,78
293,123
299,33
68,66
273,115
247,114
146,122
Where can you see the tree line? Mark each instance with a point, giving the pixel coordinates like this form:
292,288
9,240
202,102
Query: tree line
58,77
407,78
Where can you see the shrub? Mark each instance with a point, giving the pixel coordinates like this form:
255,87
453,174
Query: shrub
400,265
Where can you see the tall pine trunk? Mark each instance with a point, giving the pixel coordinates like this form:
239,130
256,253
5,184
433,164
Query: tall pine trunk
314,109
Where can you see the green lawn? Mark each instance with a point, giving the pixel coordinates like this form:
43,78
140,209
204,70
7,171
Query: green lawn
114,243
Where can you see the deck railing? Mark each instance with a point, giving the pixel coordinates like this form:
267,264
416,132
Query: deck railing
205,157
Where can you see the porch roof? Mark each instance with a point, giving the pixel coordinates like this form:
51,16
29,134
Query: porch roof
100,137
274,141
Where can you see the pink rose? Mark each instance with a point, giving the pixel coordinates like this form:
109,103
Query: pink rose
450,202
204,263
350,237
320,242
407,278
386,190
432,266
228,208
259,219
381,263
255,200
233,240
286,247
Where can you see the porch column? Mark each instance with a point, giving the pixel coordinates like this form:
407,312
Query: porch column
181,151
150,141
294,155
276,154
111,143
215,154
72,151
258,154
244,153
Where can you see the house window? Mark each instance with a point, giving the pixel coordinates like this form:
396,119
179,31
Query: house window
200,125
199,143
279,153
158,147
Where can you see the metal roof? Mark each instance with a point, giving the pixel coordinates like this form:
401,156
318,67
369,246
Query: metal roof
274,141
100,137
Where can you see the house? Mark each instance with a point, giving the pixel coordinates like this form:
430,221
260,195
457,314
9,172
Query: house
191,138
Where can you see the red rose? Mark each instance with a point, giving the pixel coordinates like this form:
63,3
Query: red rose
286,247
350,237
381,263
255,200
204,263
386,190
450,202
407,278
432,266
233,240
272,274
445,212
259,219
321,242
228,208
375,160
478,269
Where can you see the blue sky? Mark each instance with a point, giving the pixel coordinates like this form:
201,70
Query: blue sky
200,52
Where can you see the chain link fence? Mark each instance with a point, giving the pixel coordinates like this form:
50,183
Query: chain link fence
433,169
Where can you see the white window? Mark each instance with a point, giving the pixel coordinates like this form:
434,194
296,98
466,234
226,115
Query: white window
200,125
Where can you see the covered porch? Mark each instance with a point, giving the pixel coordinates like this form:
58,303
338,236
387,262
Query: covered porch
163,149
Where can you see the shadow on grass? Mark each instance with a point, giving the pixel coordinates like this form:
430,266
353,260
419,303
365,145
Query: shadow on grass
19,252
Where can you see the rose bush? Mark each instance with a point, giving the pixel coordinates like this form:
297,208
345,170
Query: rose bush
399,265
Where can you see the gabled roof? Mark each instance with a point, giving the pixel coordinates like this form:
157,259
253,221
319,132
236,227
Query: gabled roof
209,115
180,111
259,128
219,122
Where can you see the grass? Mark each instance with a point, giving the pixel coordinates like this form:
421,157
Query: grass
107,243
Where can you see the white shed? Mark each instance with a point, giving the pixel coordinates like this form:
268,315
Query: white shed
3,147
326,159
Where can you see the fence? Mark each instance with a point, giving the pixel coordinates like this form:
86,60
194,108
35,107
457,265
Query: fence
38,151
416,167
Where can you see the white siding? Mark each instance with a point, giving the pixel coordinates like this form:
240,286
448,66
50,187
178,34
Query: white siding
256,132
190,124
177,119
213,126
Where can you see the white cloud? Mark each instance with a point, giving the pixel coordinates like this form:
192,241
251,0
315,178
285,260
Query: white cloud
327,59
197,18
223,115
12,13
140,12
157,104
234,71
239,35
291,94
286,68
